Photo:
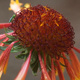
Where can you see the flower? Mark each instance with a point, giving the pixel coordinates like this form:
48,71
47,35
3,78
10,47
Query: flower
15,5
44,38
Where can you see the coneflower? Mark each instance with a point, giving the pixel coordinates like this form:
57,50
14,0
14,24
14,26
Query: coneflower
45,39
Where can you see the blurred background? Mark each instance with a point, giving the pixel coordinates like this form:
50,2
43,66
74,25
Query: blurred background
69,8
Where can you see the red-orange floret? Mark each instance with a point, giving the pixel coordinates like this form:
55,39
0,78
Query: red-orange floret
44,29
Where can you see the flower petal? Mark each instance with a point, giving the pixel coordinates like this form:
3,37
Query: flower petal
5,57
52,70
23,72
44,71
5,67
4,25
60,73
69,69
75,63
62,67
42,76
78,50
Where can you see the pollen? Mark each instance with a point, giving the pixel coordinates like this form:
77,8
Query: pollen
44,29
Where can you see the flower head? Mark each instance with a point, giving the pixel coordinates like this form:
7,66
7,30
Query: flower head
45,39
46,30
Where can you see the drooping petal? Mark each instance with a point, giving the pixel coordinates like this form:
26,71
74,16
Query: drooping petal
2,36
44,71
62,67
23,72
75,63
4,25
45,60
4,57
60,73
78,50
69,69
52,70
2,44
62,62
1,69
5,67
42,76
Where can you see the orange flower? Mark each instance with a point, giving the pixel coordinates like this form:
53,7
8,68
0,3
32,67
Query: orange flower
45,39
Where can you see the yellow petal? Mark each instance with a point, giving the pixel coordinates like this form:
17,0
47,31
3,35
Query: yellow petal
5,67
1,73
27,5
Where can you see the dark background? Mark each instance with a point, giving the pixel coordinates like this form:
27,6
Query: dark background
69,8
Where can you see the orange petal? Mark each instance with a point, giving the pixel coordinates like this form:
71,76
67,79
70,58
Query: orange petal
7,51
62,67
4,25
60,73
4,58
45,59
44,71
42,76
78,50
75,63
23,72
1,68
52,70
62,61
69,69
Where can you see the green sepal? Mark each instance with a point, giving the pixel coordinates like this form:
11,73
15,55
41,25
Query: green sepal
10,37
62,64
34,68
34,62
24,53
48,62
8,42
7,30
33,56
22,56
2,48
17,48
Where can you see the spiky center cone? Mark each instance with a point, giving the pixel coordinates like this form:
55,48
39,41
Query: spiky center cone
43,29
